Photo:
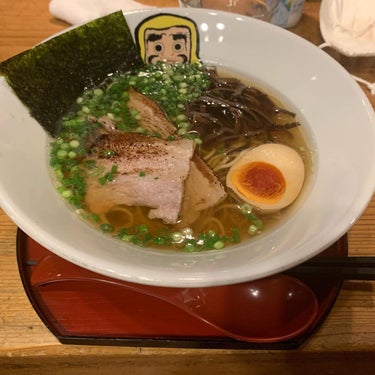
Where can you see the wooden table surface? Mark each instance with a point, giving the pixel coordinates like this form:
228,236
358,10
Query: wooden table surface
344,344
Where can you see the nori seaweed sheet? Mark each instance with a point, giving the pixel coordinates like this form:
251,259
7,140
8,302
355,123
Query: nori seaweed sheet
50,76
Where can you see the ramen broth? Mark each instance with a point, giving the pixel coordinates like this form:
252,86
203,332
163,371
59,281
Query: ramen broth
225,220
226,214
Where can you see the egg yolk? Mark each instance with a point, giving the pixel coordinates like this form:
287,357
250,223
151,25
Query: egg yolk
259,181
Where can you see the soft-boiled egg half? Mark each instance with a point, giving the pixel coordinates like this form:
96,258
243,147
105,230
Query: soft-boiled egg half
269,176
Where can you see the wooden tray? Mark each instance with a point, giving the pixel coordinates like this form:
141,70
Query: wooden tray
97,310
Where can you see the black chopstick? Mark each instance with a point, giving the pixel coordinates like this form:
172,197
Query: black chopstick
346,268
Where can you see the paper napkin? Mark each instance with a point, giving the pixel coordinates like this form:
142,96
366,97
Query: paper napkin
77,12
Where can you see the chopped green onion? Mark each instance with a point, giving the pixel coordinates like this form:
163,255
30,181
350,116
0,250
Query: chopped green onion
187,232
98,92
74,143
106,227
109,176
252,230
177,237
61,154
218,245
67,193
246,208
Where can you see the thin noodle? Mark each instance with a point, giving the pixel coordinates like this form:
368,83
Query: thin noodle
125,211
209,223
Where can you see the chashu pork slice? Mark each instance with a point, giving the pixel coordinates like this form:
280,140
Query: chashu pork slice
202,190
152,116
151,172
202,187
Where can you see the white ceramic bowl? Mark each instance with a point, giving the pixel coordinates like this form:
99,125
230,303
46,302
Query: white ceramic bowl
336,114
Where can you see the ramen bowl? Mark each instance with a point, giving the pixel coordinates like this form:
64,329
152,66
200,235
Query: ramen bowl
338,121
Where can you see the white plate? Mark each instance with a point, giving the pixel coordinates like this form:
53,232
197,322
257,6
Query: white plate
335,112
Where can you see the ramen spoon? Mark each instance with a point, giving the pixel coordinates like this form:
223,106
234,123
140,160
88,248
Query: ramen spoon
271,309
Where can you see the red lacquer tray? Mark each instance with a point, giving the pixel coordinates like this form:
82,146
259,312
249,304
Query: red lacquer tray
94,309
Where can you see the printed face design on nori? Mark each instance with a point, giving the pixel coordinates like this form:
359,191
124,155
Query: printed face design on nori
49,77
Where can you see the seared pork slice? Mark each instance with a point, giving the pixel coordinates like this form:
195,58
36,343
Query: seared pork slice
151,172
152,116
202,187
202,190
